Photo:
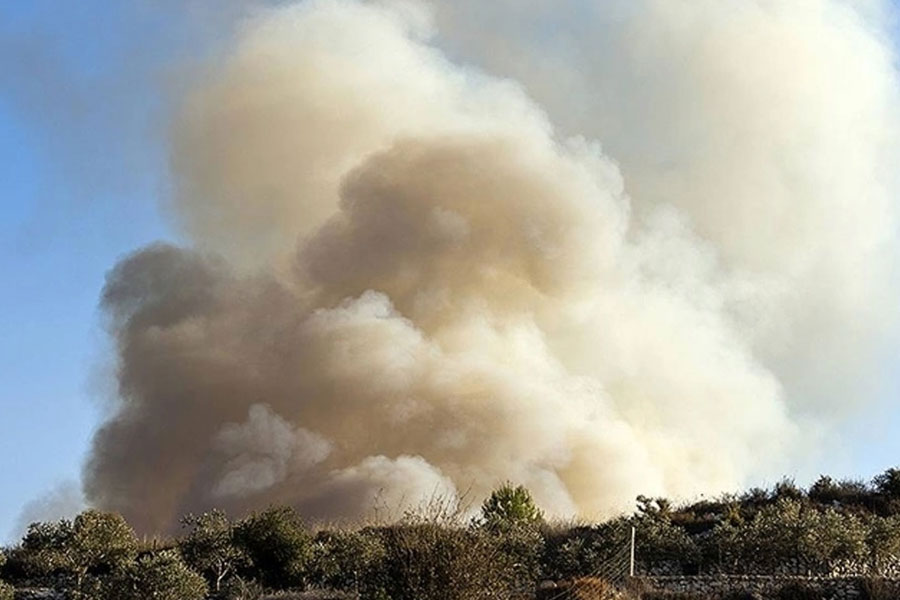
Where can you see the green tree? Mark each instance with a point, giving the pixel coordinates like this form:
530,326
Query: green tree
278,545
786,489
508,507
659,541
790,529
833,536
653,507
882,539
888,483
44,549
95,542
209,547
845,492
101,542
160,576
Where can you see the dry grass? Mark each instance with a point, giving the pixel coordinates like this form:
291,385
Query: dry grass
583,588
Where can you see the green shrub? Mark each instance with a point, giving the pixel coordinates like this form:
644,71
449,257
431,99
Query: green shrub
523,548
847,492
508,507
347,560
7,592
570,552
209,547
161,576
888,482
789,529
67,552
786,489
278,546
659,541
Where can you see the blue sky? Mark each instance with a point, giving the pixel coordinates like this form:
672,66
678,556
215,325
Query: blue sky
81,186
82,161
84,94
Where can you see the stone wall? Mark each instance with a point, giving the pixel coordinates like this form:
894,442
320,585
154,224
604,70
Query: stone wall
887,567
762,586
39,594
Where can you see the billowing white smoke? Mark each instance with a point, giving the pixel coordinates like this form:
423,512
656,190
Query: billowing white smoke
772,126
407,283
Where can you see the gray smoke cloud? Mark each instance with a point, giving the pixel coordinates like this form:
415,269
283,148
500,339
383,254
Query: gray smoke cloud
64,501
408,279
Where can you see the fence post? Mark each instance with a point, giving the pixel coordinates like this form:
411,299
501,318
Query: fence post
631,562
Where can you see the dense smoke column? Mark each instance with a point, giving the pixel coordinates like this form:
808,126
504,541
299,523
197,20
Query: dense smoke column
404,283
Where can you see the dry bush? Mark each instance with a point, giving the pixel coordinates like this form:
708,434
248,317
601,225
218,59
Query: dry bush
583,588
436,553
593,588
441,563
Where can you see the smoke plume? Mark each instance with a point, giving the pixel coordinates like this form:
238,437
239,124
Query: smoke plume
407,278
63,501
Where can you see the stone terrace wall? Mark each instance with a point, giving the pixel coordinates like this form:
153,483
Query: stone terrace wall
39,594
828,588
887,567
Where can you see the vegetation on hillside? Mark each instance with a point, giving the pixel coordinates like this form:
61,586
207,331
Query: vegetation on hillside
504,552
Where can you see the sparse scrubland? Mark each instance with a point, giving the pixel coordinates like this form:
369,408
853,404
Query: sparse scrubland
506,550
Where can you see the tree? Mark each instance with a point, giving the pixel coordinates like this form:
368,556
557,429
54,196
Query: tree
160,576
833,536
659,541
508,507
101,541
209,547
787,489
888,483
94,543
792,529
882,539
653,507
824,491
277,544
44,549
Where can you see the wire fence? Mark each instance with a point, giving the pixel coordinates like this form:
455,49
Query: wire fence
614,569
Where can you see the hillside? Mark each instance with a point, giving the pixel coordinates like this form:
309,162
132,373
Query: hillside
835,530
